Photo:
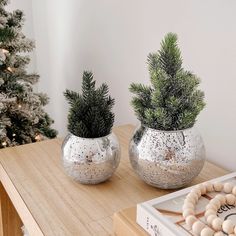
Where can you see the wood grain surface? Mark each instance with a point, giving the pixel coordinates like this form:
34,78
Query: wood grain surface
50,203
10,222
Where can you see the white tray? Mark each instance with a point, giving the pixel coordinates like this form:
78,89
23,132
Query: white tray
163,216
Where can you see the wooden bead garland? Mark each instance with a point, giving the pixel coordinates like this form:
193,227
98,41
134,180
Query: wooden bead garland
228,187
234,190
228,226
212,219
218,187
218,224
219,233
207,232
221,198
197,227
190,220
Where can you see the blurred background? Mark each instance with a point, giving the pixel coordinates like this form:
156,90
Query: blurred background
113,38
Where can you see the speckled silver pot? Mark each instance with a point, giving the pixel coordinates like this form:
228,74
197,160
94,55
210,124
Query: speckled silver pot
167,159
90,160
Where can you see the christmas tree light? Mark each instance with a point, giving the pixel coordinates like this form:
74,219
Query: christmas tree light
22,117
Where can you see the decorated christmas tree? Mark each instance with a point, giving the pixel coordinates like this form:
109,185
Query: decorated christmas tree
22,117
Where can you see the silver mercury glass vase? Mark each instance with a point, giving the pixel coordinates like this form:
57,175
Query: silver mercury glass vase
90,160
167,159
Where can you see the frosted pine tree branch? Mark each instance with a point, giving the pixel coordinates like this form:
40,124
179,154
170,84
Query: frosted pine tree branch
22,117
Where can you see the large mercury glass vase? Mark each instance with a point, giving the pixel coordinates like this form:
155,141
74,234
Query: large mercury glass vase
90,160
167,159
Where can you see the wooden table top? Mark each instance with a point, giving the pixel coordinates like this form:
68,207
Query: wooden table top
50,203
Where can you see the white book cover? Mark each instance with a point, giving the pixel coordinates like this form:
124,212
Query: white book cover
163,216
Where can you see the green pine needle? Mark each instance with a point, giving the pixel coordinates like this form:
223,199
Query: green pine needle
90,114
173,101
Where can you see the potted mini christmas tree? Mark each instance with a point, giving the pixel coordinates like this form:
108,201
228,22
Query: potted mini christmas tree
91,151
22,117
166,151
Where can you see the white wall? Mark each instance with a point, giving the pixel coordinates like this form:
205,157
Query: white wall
57,65
113,38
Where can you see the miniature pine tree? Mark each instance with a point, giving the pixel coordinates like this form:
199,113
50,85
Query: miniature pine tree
173,101
22,118
90,114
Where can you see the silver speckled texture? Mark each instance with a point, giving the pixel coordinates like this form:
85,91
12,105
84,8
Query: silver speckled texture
167,159
90,161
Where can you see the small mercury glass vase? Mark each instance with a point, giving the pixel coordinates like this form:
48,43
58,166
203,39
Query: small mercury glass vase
167,159
90,160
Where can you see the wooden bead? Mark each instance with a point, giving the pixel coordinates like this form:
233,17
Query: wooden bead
186,200
209,186
197,191
234,190
193,197
189,200
209,212
217,224
228,187
215,202
188,205
202,188
221,198
230,199
220,233
197,227
188,212
212,207
218,186
210,218
207,232
190,220
228,226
